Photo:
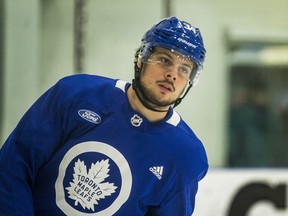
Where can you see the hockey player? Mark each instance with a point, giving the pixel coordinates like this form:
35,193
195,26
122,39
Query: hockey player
94,146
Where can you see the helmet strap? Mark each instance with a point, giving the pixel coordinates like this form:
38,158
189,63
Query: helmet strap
178,101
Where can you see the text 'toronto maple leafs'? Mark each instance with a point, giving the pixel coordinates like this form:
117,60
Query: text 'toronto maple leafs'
88,188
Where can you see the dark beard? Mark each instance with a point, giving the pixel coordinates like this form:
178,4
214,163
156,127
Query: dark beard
149,97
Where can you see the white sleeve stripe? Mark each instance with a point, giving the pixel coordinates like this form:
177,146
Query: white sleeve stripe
175,119
121,85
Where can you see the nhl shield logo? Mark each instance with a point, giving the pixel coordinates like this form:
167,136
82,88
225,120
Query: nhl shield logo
136,120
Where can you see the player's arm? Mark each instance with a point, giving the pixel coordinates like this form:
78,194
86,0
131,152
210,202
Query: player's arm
182,201
29,146
181,204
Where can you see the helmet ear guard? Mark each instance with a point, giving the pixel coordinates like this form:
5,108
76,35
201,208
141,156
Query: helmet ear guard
195,75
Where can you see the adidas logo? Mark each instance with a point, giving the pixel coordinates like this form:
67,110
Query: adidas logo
157,171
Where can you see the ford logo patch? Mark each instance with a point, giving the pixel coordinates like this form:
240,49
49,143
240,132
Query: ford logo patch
89,116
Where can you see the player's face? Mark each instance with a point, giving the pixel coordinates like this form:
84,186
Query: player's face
165,76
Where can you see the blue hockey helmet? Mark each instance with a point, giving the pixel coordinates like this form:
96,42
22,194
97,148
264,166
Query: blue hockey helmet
177,36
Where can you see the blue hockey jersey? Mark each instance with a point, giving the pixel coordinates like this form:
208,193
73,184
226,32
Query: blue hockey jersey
82,150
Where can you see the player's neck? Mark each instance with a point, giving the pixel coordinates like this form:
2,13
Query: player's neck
136,104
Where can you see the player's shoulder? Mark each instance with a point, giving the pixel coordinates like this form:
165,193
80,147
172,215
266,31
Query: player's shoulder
181,127
87,84
190,151
91,88
85,80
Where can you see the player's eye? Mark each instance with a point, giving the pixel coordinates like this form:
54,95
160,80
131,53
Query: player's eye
165,61
184,70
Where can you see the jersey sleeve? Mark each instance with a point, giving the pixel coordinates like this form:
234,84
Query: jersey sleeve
30,145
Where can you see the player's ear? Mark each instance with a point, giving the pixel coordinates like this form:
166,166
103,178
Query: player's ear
139,63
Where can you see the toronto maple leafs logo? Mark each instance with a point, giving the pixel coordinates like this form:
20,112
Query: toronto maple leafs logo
94,179
88,188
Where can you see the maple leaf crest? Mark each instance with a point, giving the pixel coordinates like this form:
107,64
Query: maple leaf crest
88,188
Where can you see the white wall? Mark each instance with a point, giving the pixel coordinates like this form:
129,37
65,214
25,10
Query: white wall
115,29
21,60
56,41
39,51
